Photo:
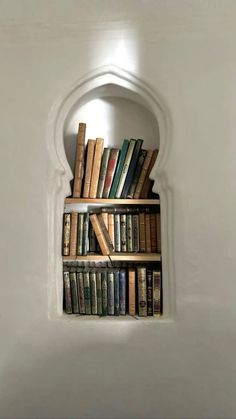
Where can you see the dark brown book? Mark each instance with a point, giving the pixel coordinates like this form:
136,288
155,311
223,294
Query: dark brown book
142,233
100,231
132,293
148,183
73,233
111,167
158,221
142,155
143,174
153,233
66,234
79,161
96,167
88,168
148,233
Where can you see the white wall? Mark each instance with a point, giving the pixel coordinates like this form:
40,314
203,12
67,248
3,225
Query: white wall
185,369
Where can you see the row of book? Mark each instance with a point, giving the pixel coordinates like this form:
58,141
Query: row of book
111,231
112,292
112,173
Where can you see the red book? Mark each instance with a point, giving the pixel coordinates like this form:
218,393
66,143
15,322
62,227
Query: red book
111,167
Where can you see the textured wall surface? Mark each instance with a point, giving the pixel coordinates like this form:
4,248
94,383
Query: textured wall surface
185,50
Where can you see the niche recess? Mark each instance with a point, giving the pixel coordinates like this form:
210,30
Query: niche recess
114,105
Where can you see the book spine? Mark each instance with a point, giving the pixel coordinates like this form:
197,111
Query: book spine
103,171
88,169
142,292
111,228
92,239
143,174
104,293
149,292
73,233
99,292
125,168
158,223
153,233
132,294
156,292
80,234
135,220
148,183
129,231
117,293
66,234
105,218
96,167
110,172
110,292
85,235
123,226
148,233
80,285
74,293
142,233
117,232
137,173
79,160
87,293
67,293
122,292
105,232
119,168
131,168
99,234
93,290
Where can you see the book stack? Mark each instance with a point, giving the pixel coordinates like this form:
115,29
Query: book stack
113,291
113,229
111,172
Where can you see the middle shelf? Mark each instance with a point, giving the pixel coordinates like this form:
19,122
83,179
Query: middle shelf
141,257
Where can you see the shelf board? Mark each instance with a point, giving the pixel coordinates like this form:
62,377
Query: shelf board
112,201
115,257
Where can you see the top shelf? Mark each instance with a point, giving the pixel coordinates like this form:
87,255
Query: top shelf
112,201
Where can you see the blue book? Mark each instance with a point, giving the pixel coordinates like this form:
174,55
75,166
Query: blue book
131,169
122,291
119,168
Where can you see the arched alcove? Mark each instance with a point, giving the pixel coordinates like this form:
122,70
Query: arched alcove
122,95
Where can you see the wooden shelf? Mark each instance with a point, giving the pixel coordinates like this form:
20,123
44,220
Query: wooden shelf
112,201
115,257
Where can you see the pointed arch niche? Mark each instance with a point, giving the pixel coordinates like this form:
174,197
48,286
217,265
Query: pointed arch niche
115,105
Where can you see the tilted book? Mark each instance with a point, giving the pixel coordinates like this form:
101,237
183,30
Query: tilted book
101,234
125,168
131,168
149,292
119,168
80,287
132,293
103,171
111,167
66,234
73,233
141,158
89,167
142,292
79,161
148,183
110,293
87,293
105,218
74,293
67,292
96,167
143,174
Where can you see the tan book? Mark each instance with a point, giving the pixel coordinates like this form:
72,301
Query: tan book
148,183
143,174
105,218
96,167
73,233
153,233
79,161
158,221
111,228
142,232
66,234
142,292
148,233
157,303
99,231
89,167
131,282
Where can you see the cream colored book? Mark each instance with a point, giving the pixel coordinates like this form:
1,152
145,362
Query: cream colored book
89,167
96,167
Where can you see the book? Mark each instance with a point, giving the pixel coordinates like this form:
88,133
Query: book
105,218
148,183
158,225
88,168
67,292
142,292
96,167
129,233
66,234
111,228
116,293
110,293
99,292
80,227
114,154
105,232
85,234
79,160
141,158
123,233
93,290
143,174
74,293
99,234
132,296
103,171
153,233
80,288
142,232
156,292
104,293
92,239
131,168
124,171
87,292
119,168
73,233
117,232
149,292
148,233
135,221
122,292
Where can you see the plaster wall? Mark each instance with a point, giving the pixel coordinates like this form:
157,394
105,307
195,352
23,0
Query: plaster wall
185,50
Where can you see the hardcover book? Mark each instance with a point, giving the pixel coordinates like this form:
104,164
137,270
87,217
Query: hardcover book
104,293
111,228
117,232
103,171
122,292
87,292
110,293
142,155
117,293
142,232
156,292
125,168
89,166
135,220
129,233
80,234
149,292
148,233
119,168
132,293
131,168
93,290
153,233
85,234
96,167
148,183
114,154
158,224
99,292
73,233
142,292
74,293
143,174
123,232
80,287
79,160
66,234
67,292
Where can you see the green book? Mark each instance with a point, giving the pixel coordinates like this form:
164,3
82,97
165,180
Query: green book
104,293
99,292
119,168
87,292
125,168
